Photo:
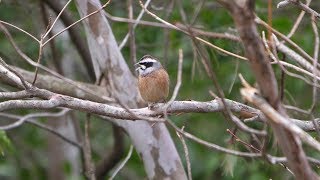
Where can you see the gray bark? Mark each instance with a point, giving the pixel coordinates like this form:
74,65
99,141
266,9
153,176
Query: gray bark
154,144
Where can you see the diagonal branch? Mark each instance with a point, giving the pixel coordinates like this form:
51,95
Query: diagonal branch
299,4
244,18
250,94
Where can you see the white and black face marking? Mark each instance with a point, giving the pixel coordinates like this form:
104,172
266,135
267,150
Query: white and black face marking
148,64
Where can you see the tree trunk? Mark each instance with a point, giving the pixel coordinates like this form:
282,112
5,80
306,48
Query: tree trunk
153,143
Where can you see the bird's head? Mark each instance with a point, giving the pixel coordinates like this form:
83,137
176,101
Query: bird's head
147,65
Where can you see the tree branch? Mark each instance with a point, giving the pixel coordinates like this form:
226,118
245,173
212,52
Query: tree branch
299,4
244,18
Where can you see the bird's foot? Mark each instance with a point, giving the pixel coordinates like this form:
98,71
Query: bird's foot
151,105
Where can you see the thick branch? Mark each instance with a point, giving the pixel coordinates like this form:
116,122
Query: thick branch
61,88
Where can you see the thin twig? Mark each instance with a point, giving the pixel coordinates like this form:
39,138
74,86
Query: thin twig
246,128
33,121
55,54
133,53
133,21
30,61
282,63
34,115
250,94
315,62
212,75
16,27
88,164
194,30
122,163
298,69
211,145
186,153
75,36
198,38
54,22
295,56
297,109
283,37
178,84
25,85
258,150
315,81
302,6
85,17
38,61
125,39
297,22
239,140
166,34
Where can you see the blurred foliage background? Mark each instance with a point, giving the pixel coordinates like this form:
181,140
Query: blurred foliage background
23,150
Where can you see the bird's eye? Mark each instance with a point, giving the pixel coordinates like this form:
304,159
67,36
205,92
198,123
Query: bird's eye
145,65
148,64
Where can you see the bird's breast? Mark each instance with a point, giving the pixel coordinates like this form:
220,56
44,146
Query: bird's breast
154,87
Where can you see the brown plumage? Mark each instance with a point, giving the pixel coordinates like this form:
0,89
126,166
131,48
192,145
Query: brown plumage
154,86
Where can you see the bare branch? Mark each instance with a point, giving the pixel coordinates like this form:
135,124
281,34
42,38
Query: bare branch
107,110
33,121
75,36
302,6
122,163
216,35
15,95
297,22
85,17
294,56
54,22
211,145
89,168
251,95
125,39
60,86
179,80
244,19
198,38
133,53
186,154
16,27
15,72
283,37
34,115
315,62
30,61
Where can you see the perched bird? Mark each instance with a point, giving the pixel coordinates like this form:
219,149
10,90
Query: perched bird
153,80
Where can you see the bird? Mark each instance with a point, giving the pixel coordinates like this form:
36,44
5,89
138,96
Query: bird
153,80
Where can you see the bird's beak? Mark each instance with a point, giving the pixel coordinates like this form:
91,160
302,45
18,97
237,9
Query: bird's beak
138,66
